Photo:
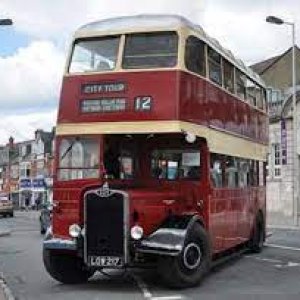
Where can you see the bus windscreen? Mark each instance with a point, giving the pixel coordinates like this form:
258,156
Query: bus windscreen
150,50
95,55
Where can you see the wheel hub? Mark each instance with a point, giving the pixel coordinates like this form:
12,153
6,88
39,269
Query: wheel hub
192,256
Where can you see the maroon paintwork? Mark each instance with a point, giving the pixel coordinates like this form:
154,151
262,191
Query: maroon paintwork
177,95
228,214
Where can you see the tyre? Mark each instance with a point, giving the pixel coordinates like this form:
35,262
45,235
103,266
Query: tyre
11,214
189,267
257,240
65,268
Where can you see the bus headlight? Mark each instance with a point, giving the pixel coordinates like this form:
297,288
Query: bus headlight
74,230
136,232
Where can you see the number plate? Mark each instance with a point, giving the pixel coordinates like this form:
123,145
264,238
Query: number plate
105,261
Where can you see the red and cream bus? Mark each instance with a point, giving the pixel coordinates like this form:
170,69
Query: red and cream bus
161,144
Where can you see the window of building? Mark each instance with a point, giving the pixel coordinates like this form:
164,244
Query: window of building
240,84
195,56
228,71
150,50
268,165
214,66
277,159
25,170
40,168
14,171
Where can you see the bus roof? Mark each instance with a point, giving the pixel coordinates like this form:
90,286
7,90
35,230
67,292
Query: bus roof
140,23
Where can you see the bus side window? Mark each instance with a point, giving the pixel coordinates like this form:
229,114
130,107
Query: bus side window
228,74
195,55
231,172
240,84
214,66
216,170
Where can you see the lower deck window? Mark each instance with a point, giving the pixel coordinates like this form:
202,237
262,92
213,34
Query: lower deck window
78,159
174,164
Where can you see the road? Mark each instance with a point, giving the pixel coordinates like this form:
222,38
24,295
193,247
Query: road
273,273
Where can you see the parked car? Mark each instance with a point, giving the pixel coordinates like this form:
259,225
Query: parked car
45,217
6,206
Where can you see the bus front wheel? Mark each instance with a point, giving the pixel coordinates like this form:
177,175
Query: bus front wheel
189,267
65,268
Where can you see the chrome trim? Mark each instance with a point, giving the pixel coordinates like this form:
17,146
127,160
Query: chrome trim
125,218
60,244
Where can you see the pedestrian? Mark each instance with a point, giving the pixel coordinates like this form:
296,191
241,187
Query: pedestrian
26,203
37,202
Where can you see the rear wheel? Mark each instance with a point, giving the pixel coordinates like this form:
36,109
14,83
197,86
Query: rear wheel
189,267
65,268
256,242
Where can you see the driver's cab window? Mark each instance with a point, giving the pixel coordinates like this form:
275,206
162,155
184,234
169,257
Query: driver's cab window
119,159
172,164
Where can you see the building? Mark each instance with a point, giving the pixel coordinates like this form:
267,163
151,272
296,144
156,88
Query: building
26,169
282,208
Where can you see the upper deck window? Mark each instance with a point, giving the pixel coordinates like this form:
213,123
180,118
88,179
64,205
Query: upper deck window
214,64
195,55
150,50
95,55
240,84
228,74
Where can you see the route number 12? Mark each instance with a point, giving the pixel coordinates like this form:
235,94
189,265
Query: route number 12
143,103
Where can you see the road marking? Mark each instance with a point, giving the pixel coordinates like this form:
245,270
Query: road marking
148,295
143,287
264,259
175,297
282,247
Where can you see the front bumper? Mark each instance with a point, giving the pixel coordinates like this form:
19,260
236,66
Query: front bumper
60,244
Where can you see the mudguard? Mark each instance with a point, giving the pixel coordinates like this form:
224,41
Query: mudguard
169,238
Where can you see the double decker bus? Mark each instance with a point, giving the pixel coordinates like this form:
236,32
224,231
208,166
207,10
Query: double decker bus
161,145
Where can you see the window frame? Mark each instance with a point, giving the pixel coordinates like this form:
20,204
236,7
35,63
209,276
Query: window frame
174,65
213,62
198,40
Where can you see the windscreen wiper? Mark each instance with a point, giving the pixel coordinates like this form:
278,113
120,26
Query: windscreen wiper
67,150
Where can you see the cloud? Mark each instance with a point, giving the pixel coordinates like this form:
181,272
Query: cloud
57,19
30,79
22,126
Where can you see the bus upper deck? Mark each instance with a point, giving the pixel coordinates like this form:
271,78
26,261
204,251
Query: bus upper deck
165,73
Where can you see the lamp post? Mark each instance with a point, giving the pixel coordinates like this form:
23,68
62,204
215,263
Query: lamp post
6,22
278,21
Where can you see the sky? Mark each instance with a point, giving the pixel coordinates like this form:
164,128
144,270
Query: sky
33,50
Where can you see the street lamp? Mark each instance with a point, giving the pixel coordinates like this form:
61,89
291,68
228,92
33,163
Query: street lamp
6,22
278,21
